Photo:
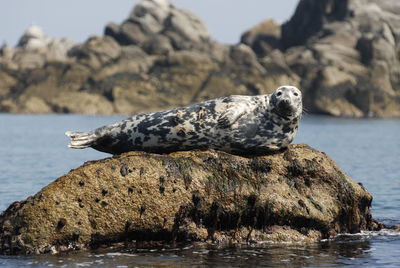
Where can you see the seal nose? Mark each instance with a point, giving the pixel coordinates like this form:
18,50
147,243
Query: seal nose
284,104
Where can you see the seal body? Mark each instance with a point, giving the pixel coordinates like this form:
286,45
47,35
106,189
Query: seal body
234,124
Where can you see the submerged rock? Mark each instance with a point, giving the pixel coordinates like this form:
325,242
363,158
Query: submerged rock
297,195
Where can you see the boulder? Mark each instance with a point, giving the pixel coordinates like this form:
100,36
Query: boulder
35,48
132,60
25,104
6,53
158,9
57,50
50,80
158,45
243,56
296,195
34,38
187,25
81,103
7,81
27,59
96,52
263,38
158,27
309,18
130,34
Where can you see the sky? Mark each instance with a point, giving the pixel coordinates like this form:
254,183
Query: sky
79,19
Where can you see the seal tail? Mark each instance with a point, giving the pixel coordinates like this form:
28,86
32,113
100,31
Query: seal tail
80,140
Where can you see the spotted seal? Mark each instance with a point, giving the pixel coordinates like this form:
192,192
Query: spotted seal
234,124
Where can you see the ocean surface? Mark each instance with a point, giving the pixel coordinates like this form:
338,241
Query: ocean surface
33,153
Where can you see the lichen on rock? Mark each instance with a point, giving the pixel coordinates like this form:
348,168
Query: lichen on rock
296,195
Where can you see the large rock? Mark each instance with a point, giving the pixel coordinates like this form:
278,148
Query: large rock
263,38
96,52
35,48
34,38
82,103
348,56
158,21
309,19
343,54
298,195
7,81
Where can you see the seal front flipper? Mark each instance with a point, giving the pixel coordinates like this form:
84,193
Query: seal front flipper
232,113
80,140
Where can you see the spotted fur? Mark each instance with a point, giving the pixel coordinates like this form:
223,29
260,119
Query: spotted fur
235,124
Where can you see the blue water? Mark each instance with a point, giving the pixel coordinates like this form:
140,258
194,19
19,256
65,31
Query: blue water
33,153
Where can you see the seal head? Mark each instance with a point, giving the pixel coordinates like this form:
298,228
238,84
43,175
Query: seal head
287,102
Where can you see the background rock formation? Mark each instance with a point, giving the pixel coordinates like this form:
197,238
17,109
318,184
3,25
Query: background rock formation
298,195
347,53
343,54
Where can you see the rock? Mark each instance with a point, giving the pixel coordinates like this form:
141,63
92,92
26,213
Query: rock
112,29
28,59
158,45
343,54
156,25
352,63
96,52
34,38
187,25
35,43
158,9
131,33
35,105
81,102
132,60
58,49
263,38
309,19
243,55
298,195
6,53
26,104
7,81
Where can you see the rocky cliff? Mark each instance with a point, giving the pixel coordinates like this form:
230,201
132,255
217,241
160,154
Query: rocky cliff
343,54
298,195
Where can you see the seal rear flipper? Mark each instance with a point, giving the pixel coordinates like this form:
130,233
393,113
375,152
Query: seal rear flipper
80,140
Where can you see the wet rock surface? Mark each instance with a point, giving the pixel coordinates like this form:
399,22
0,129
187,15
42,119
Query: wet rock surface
343,54
297,195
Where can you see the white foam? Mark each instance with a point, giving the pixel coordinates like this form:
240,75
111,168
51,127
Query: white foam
121,254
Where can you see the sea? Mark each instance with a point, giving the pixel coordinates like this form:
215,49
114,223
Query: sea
33,153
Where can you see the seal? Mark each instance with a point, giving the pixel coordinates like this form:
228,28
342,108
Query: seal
235,124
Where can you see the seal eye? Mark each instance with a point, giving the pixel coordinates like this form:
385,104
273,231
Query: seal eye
296,94
279,93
